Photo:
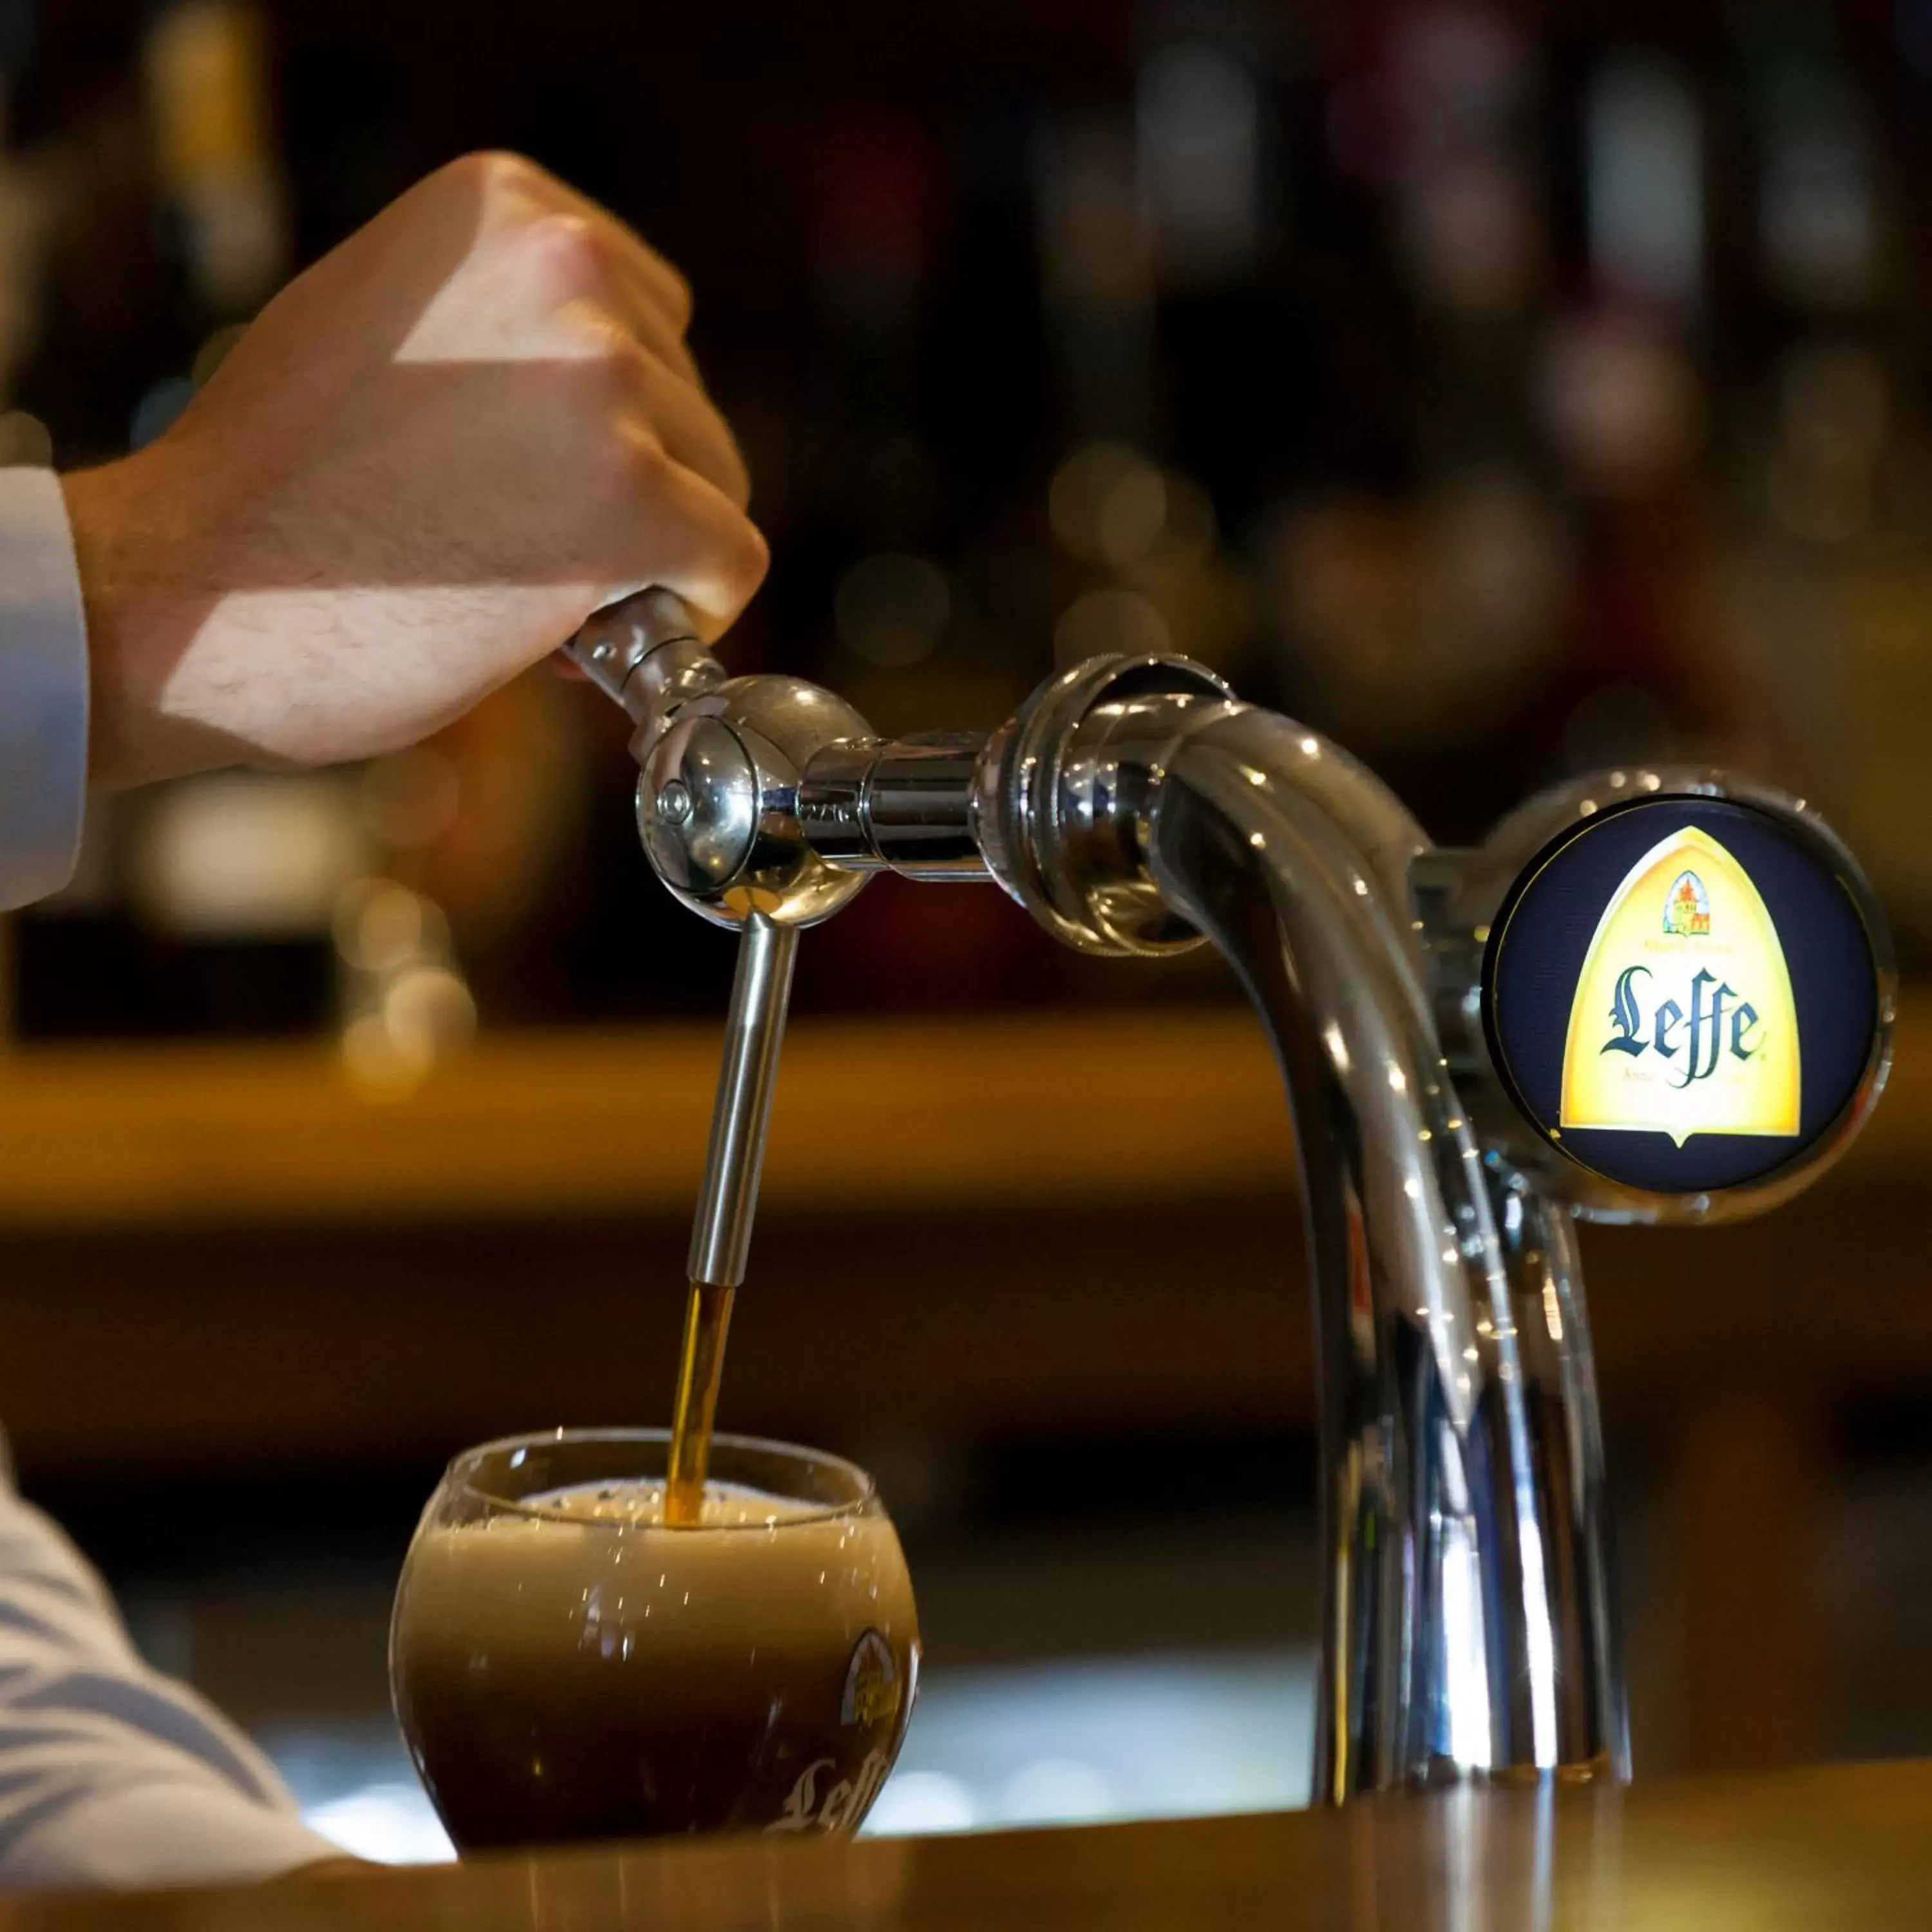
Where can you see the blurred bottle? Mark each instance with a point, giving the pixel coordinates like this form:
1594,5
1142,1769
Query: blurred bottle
22,438
1833,457
881,604
1658,666
1643,152
17,292
1153,225
406,1005
906,629
1414,575
491,822
242,873
237,876
56,974
1097,277
223,209
206,906
220,216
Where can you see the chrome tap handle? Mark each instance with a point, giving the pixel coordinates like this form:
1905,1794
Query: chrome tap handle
701,801
722,760
721,1237
645,654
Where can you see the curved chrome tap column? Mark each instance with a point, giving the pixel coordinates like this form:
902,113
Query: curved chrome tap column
1467,1621
1456,1638
1132,806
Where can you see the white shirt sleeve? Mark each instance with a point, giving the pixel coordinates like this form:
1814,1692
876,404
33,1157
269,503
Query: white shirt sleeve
111,1774
43,690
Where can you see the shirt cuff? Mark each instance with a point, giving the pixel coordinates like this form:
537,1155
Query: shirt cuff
43,690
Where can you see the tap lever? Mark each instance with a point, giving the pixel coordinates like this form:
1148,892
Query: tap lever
728,1198
722,760
644,653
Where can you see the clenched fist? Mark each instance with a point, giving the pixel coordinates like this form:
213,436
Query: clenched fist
428,460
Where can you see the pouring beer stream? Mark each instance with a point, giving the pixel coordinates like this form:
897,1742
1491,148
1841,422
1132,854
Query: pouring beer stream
720,1241
1659,994
646,654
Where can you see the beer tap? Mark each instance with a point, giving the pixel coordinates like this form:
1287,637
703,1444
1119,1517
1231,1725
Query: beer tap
720,758
1659,994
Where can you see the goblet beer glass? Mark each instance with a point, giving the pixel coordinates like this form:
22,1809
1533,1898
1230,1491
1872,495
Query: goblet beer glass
565,1665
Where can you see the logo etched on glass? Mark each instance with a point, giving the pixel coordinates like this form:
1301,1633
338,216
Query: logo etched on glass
839,1808
871,1693
1685,1025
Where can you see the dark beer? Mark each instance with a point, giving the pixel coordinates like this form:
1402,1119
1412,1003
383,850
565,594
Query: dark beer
574,1668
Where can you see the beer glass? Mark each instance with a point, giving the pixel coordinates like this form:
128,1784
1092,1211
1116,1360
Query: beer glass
566,1667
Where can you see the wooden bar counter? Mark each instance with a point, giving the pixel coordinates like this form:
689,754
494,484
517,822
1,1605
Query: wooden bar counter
1842,1847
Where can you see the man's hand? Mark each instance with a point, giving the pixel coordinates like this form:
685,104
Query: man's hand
431,458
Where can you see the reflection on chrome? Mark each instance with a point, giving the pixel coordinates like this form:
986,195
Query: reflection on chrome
1463,1649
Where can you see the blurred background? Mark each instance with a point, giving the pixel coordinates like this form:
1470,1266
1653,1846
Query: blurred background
1506,392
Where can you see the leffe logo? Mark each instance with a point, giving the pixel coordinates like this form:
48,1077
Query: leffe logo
1703,1033
844,1802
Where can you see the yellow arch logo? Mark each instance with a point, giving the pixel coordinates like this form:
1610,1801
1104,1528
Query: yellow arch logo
1683,1021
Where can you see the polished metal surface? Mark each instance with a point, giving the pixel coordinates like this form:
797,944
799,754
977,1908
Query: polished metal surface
1132,806
645,652
717,811
1061,790
721,759
727,1199
1455,1643
904,807
698,806
1565,1469
721,787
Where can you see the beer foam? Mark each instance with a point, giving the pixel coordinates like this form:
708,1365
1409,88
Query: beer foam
757,1569
641,1505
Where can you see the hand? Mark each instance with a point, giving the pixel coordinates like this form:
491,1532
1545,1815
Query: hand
428,460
